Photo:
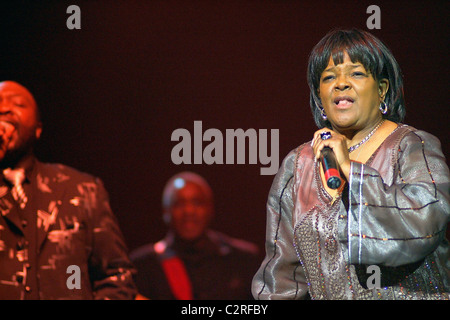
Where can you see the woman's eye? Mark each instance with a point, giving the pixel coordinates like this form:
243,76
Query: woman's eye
358,74
327,78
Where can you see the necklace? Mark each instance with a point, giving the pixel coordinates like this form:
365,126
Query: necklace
356,146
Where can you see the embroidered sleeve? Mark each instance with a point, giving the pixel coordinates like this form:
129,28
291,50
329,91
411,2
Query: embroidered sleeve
404,222
280,275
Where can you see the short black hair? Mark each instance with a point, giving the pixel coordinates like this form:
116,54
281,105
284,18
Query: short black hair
362,47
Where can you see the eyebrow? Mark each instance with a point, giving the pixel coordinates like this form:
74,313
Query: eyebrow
352,66
9,94
13,95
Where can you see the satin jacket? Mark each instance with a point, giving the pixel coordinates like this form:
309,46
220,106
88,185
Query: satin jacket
66,243
389,225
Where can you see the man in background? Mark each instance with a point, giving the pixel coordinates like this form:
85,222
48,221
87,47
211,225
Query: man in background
193,261
58,236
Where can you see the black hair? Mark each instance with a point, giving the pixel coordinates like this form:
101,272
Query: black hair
362,47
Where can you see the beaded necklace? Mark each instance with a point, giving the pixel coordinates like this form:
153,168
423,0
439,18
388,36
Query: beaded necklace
356,146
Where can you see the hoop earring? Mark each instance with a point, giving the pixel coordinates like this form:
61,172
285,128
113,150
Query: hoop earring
322,113
383,107
321,110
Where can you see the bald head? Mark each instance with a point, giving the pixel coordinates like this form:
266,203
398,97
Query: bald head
179,181
188,205
16,89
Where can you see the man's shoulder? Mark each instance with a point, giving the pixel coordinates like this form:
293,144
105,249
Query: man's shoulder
61,172
229,244
146,259
143,252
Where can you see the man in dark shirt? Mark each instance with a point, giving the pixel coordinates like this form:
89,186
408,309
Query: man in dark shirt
193,261
58,236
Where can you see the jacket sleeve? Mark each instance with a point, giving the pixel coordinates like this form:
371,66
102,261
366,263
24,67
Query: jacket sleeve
110,269
402,223
280,275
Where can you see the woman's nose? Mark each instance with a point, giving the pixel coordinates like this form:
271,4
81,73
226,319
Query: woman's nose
342,83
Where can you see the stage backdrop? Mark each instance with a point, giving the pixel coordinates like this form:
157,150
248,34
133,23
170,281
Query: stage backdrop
113,92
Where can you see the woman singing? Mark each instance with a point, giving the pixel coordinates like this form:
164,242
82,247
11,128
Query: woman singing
381,233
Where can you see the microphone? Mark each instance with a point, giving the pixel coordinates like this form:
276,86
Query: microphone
6,131
330,168
329,164
6,127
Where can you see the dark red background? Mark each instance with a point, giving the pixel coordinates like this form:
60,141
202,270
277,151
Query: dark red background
113,92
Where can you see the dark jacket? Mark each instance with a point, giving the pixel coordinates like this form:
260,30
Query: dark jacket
218,267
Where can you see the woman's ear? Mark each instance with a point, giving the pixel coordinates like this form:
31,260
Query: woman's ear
383,87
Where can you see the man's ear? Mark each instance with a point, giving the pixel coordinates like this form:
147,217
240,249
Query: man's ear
38,130
166,217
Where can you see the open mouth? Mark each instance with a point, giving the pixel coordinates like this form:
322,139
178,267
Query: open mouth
343,101
7,126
